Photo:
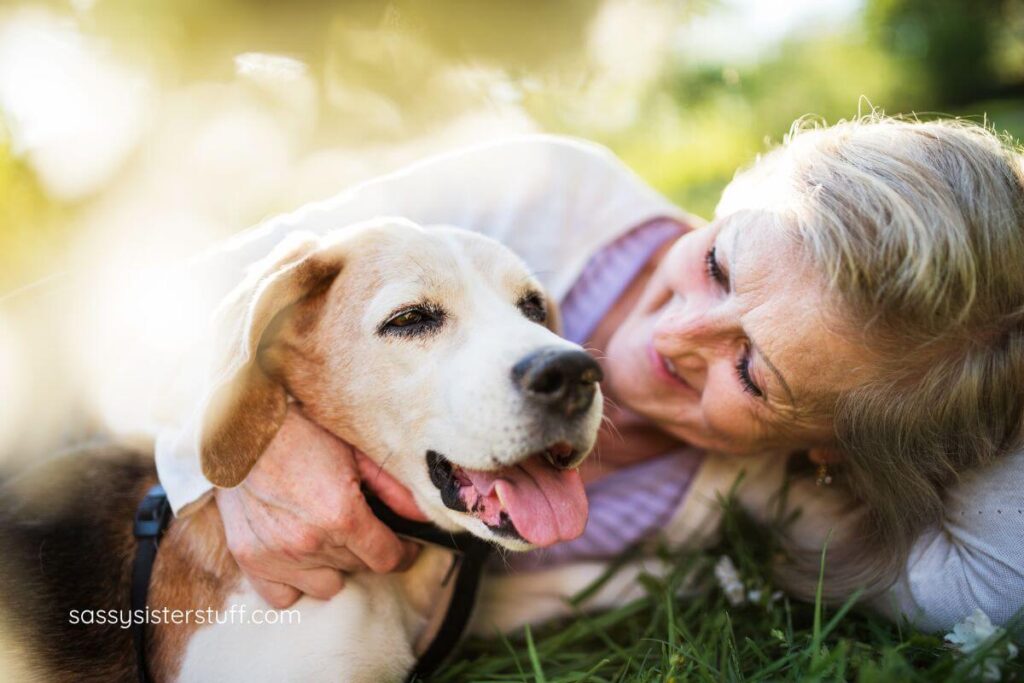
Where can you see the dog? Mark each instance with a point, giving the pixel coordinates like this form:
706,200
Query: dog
432,350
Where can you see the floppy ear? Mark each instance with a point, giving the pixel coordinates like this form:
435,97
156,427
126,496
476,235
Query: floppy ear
245,406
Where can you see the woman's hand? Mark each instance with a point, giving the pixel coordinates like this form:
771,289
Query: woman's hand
300,519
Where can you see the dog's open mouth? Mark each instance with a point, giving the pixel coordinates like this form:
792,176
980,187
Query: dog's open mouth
536,500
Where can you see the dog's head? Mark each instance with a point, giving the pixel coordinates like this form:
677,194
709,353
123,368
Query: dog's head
430,349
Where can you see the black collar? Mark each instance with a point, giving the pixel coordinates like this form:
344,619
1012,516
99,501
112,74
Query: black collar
154,515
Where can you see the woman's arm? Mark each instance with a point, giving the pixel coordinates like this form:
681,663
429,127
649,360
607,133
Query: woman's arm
975,560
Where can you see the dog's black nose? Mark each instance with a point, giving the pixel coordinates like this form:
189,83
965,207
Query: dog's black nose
563,381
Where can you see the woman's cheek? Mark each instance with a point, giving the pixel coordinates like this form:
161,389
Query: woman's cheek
727,418
685,273
625,374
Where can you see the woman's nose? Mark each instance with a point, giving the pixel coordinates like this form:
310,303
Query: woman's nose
686,325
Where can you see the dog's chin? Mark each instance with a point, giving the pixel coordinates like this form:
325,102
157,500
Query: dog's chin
460,521
510,540
535,502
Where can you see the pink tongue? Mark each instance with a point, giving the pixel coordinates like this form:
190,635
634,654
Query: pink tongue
546,505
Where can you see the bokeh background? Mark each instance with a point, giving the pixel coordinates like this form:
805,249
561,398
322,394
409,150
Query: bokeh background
173,122
136,132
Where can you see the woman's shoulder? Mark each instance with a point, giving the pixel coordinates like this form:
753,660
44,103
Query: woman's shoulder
520,156
975,560
562,147
994,492
984,517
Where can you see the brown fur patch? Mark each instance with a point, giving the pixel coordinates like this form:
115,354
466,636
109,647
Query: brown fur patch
66,544
250,411
193,571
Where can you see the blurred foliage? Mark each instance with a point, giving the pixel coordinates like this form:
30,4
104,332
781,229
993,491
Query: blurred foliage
686,130
914,57
965,51
511,33
28,219
711,120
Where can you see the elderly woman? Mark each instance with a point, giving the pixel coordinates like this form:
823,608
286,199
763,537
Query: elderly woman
852,321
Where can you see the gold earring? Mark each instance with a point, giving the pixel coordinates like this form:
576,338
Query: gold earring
824,478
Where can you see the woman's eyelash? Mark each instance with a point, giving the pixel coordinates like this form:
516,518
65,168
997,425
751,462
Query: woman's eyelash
714,270
743,372
743,364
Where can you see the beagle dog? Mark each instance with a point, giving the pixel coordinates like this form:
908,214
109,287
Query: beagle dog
432,350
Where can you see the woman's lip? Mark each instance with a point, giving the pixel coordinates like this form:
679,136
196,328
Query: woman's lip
658,364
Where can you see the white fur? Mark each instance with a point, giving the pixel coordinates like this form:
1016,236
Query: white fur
364,634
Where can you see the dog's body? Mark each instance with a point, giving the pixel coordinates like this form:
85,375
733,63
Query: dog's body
73,561
425,349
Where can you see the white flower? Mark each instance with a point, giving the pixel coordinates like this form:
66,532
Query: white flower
729,580
969,634
974,632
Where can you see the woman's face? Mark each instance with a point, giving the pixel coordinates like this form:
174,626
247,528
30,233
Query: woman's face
731,342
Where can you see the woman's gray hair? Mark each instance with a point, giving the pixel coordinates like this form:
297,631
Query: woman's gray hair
917,229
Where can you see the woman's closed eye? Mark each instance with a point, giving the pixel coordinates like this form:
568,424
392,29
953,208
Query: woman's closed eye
714,270
716,273
743,372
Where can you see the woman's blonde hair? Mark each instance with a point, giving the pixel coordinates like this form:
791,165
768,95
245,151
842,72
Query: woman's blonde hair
917,229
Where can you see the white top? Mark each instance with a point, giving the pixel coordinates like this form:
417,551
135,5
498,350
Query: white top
556,201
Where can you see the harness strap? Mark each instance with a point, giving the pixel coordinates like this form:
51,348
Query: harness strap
154,515
151,520
472,554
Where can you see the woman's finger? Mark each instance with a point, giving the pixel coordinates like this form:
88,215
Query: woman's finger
277,595
321,583
342,559
374,543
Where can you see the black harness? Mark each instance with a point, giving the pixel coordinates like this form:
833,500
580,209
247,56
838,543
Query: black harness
154,515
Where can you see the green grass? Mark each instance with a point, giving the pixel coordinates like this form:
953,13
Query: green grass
700,637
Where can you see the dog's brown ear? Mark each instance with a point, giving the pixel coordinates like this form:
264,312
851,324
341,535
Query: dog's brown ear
245,407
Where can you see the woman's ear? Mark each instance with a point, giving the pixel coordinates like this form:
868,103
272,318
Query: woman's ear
245,407
824,455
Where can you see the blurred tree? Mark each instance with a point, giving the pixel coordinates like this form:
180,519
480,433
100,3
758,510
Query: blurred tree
954,45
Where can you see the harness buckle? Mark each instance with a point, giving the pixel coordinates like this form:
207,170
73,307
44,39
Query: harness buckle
152,515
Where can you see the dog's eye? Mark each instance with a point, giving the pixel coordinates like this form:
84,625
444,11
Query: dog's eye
532,306
412,321
407,318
